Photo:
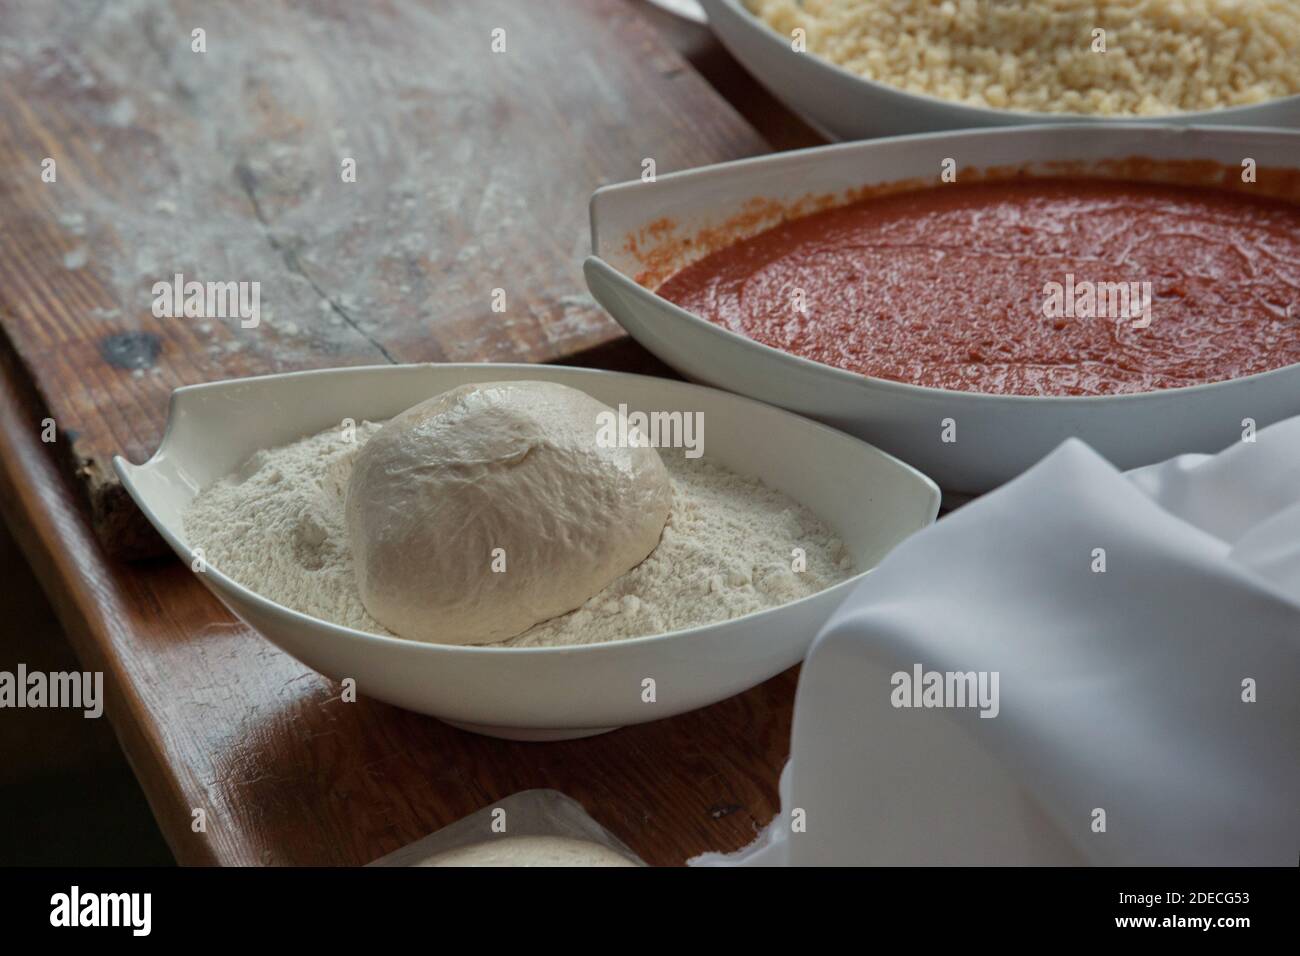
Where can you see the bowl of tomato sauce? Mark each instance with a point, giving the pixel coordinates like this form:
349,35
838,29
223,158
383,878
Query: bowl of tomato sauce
969,300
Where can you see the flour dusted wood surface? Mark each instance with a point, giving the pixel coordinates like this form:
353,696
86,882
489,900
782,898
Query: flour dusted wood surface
473,170
209,714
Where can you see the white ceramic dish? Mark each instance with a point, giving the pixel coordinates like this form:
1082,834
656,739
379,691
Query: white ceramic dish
847,106
873,500
997,436
686,9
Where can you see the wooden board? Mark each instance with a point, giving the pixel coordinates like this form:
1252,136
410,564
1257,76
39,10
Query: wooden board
214,718
473,170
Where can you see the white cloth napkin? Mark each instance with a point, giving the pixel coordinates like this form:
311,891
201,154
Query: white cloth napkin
1124,732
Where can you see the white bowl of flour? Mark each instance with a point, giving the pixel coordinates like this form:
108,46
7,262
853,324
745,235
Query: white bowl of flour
774,518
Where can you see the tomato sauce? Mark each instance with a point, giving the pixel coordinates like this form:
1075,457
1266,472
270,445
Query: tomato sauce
956,287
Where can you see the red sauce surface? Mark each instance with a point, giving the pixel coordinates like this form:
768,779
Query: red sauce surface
945,287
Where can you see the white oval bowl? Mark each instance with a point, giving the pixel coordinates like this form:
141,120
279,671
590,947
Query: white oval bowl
845,105
873,501
998,436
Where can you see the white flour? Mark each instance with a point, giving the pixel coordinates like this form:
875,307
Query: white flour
276,526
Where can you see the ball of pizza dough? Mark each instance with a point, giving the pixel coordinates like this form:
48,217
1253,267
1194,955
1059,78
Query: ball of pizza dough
492,507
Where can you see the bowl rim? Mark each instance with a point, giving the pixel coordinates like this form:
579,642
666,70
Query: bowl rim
126,471
856,379
969,112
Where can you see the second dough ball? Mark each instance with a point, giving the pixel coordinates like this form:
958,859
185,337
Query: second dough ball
490,508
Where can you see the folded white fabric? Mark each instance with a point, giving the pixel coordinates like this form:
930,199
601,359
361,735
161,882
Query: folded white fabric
1081,667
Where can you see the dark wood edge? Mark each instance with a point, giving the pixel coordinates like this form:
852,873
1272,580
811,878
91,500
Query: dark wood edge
45,516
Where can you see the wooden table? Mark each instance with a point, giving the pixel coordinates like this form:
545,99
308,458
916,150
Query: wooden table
472,174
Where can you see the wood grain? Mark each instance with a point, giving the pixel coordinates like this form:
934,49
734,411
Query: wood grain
780,128
473,171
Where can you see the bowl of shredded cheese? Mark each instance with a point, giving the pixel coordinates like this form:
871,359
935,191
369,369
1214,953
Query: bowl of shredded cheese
863,68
